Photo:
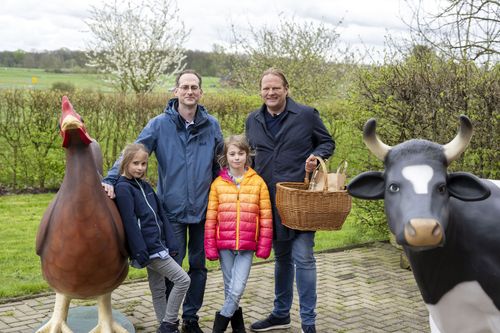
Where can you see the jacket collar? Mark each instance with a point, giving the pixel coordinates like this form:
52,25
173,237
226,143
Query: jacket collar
291,106
132,182
224,173
200,117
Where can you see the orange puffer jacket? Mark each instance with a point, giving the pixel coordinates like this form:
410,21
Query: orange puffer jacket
238,218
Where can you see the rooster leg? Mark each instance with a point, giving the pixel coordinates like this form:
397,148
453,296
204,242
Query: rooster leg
106,323
57,324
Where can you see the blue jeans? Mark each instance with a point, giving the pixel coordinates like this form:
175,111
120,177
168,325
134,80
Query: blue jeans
235,267
197,269
295,257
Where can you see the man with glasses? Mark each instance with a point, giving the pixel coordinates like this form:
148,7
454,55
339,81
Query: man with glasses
286,137
186,141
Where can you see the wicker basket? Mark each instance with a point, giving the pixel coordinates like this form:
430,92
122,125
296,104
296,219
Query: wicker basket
302,209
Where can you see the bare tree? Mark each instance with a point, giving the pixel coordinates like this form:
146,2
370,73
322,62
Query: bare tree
460,29
137,43
305,51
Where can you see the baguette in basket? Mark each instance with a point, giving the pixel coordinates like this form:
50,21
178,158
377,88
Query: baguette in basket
336,180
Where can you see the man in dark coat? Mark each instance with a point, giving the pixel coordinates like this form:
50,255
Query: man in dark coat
287,137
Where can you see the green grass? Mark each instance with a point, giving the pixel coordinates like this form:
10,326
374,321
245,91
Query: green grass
35,78
20,272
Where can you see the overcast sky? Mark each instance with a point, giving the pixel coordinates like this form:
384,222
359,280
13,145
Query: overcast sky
52,24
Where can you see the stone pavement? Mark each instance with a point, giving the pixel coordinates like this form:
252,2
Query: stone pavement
359,290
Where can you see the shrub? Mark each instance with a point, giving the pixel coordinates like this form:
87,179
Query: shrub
66,87
30,150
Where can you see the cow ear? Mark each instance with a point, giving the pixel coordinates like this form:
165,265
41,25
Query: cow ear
367,185
467,187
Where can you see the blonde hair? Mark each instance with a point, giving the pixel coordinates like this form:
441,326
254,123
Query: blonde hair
128,155
239,141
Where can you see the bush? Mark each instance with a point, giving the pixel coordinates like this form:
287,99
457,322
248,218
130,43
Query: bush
30,148
66,87
423,96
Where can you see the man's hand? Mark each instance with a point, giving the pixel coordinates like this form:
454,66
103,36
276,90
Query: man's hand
109,189
311,163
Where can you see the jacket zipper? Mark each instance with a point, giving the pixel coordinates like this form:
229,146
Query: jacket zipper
156,219
238,220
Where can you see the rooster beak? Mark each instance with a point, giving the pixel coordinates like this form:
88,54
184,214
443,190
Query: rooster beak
70,122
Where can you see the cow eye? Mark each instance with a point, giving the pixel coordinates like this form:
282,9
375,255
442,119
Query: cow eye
394,188
441,188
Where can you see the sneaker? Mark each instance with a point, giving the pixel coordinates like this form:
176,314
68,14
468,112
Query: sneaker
191,326
271,323
308,328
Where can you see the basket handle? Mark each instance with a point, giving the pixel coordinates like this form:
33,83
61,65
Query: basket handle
325,171
342,167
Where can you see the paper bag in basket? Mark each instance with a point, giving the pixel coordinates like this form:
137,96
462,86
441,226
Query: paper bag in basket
336,180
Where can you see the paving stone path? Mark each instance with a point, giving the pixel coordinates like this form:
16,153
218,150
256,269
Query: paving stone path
359,290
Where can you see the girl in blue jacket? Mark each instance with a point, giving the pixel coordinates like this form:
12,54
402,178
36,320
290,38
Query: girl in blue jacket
151,241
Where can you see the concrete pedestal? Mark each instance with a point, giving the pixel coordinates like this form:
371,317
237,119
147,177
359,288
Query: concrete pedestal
82,319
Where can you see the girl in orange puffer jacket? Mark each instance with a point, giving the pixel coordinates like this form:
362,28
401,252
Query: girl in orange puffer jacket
239,223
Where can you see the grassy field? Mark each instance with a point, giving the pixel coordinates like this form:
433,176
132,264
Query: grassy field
20,272
34,78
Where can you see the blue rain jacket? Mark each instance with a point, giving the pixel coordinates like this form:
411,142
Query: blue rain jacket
187,161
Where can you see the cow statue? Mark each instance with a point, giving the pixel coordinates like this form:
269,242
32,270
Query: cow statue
447,223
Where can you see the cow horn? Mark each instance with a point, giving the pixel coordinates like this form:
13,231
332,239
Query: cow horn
455,147
376,146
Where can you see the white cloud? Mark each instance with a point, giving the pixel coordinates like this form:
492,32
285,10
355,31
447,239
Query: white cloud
53,24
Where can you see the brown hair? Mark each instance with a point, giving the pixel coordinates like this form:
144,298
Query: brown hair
187,71
277,72
128,155
239,141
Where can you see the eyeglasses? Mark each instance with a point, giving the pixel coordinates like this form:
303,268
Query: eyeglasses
186,88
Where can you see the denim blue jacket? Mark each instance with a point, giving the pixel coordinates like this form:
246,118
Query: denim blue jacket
187,161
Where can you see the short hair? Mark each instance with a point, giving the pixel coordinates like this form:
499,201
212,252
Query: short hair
128,155
239,141
187,71
277,72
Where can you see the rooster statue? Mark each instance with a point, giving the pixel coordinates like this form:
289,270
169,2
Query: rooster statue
81,241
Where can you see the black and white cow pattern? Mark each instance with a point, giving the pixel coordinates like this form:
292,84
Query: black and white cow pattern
448,224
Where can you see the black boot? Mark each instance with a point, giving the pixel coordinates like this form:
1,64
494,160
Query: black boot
237,322
167,327
220,323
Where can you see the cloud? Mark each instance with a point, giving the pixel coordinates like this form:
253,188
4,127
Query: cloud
53,24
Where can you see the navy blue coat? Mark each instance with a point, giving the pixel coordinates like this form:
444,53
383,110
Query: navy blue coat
282,158
147,228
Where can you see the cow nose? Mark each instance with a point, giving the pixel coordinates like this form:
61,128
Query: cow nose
423,232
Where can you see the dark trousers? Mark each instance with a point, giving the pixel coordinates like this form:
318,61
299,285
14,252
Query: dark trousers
191,236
